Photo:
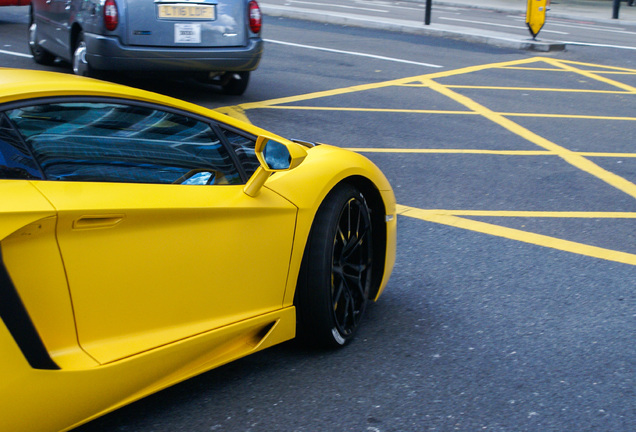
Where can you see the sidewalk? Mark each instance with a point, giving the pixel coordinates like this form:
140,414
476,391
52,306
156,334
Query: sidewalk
587,10
594,11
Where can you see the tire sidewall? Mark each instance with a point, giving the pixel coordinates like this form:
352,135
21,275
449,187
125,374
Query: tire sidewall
318,324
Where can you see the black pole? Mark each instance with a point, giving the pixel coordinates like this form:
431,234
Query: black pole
617,5
427,14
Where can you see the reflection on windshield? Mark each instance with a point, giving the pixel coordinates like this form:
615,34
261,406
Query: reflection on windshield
201,178
120,143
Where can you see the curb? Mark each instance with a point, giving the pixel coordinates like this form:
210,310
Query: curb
498,39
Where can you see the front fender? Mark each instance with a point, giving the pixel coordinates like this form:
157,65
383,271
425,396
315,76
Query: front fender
307,185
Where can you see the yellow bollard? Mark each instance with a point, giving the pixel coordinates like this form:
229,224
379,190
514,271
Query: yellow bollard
535,16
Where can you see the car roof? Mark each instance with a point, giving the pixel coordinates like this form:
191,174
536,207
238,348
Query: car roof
20,84
25,84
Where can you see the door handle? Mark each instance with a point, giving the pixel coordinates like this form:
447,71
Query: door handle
97,221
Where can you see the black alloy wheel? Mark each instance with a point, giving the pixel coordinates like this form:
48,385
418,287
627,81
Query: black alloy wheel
335,278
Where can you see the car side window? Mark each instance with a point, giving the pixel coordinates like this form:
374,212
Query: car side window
112,142
244,149
16,162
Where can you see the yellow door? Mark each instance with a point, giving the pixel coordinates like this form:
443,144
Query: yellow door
149,264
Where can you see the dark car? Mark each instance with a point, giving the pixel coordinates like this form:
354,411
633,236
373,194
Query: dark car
218,40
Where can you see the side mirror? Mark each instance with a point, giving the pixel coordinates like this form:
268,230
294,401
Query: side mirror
274,156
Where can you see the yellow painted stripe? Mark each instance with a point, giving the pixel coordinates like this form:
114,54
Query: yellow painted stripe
487,152
483,67
597,71
420,111
457,151
321,94
604,72
591,75
378,110
592,65
539,89
383,84
569,116
533,69
519,235
531,214
572,158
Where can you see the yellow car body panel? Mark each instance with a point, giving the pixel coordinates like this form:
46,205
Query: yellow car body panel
117,281
45,290
21,205
142,236
58,400
27,235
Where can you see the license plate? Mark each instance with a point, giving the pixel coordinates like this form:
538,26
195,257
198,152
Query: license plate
187,33
186,11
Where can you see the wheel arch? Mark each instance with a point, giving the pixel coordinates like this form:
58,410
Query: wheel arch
308,185
375,203
378,227
76,29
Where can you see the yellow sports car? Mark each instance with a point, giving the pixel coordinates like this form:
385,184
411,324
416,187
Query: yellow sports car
145,240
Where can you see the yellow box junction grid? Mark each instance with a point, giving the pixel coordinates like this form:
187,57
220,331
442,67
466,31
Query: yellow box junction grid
459,218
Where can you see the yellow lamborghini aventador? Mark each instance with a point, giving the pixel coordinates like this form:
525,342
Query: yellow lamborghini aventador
144,240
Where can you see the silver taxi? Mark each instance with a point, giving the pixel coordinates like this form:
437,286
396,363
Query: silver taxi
216,39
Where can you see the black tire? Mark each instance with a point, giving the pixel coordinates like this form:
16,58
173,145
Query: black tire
335,277
234,83
78,62
40,55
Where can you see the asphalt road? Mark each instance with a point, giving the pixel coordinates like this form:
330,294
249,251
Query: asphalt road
511,306
498,22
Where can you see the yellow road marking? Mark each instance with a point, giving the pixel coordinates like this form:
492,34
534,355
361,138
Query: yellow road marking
538,89
592,75
488,152
526,214
609,71
569,156
568,116
377,110
591,65
422,111
383,84
519,235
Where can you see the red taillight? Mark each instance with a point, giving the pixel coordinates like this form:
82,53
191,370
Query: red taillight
111,16
255,16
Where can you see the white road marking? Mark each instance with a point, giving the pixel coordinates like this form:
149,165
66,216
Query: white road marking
337,6
600,45
496,25
377,57
15,54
